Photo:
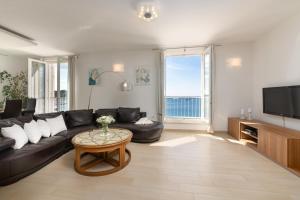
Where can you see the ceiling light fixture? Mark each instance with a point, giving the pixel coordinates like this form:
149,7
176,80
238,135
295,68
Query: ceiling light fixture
148,11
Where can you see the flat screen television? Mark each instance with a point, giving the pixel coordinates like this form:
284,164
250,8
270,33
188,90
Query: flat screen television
282,101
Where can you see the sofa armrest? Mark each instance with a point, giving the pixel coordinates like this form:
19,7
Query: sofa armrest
143,114
6,143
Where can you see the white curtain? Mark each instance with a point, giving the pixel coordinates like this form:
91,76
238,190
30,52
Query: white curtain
209,67
161,88
72,70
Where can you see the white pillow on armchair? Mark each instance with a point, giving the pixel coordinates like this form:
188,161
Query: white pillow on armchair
144,121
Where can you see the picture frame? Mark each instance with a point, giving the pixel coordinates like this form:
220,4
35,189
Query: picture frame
142,76
93,76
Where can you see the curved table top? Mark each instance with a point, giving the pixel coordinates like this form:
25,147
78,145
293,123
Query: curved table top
96,138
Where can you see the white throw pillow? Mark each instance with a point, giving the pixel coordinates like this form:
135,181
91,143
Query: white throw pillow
44,128
144,121
17,133
32,131
56,124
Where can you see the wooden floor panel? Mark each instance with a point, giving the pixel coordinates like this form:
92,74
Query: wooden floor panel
183,165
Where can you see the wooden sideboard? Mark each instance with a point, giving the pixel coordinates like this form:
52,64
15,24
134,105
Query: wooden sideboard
281,145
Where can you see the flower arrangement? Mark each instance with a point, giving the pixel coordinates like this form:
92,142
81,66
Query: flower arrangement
105,121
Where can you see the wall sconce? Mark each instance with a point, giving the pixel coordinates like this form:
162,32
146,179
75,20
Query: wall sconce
235,63
118,68
126,86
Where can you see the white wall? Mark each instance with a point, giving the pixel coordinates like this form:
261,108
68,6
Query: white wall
233,82
273,60
108,94
13,64
233,85
277,63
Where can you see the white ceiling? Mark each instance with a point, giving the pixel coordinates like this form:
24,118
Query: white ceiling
79,26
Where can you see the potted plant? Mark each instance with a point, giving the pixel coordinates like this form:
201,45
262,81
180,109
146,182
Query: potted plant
13,86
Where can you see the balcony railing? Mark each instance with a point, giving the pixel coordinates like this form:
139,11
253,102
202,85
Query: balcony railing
52,104
183,107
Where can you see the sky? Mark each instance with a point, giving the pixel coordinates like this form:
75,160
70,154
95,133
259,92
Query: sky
183,75
63,76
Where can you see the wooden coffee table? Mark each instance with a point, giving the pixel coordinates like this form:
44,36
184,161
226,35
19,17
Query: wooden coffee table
103,148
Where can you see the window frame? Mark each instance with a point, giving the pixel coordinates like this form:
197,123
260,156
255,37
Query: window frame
46,62
185,52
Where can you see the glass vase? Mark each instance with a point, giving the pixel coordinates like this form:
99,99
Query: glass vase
105,128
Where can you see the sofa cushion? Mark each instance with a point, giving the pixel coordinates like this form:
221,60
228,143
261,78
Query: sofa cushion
128,115
56,124
6,143
9,122
33,155
143,114
77,118
137,127
70,133
105,112
44,128
33,132
17,133
25,119
48,115
142,133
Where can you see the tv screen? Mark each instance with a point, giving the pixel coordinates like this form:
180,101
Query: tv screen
283,101
296,101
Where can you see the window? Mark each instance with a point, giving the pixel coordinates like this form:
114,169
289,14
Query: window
48,82
64,85
186,95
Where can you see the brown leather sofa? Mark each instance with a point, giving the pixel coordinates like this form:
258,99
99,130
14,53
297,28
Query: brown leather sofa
16,164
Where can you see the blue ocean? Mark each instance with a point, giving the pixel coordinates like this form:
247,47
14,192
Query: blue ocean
189,107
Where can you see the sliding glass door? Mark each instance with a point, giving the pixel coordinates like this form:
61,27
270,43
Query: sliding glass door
49,83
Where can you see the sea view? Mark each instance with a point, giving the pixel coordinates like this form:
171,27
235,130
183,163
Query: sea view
183,86
186,107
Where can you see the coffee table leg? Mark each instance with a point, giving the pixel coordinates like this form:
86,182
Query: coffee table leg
122,155
77,159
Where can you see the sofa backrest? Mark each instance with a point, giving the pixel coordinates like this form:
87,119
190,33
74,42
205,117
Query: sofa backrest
116,112
49,115
106,111
75,118
7,143
10,122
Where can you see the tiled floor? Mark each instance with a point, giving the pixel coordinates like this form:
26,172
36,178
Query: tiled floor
183,165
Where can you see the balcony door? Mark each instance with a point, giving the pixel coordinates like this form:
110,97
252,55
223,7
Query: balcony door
48,82
37,84
186,81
